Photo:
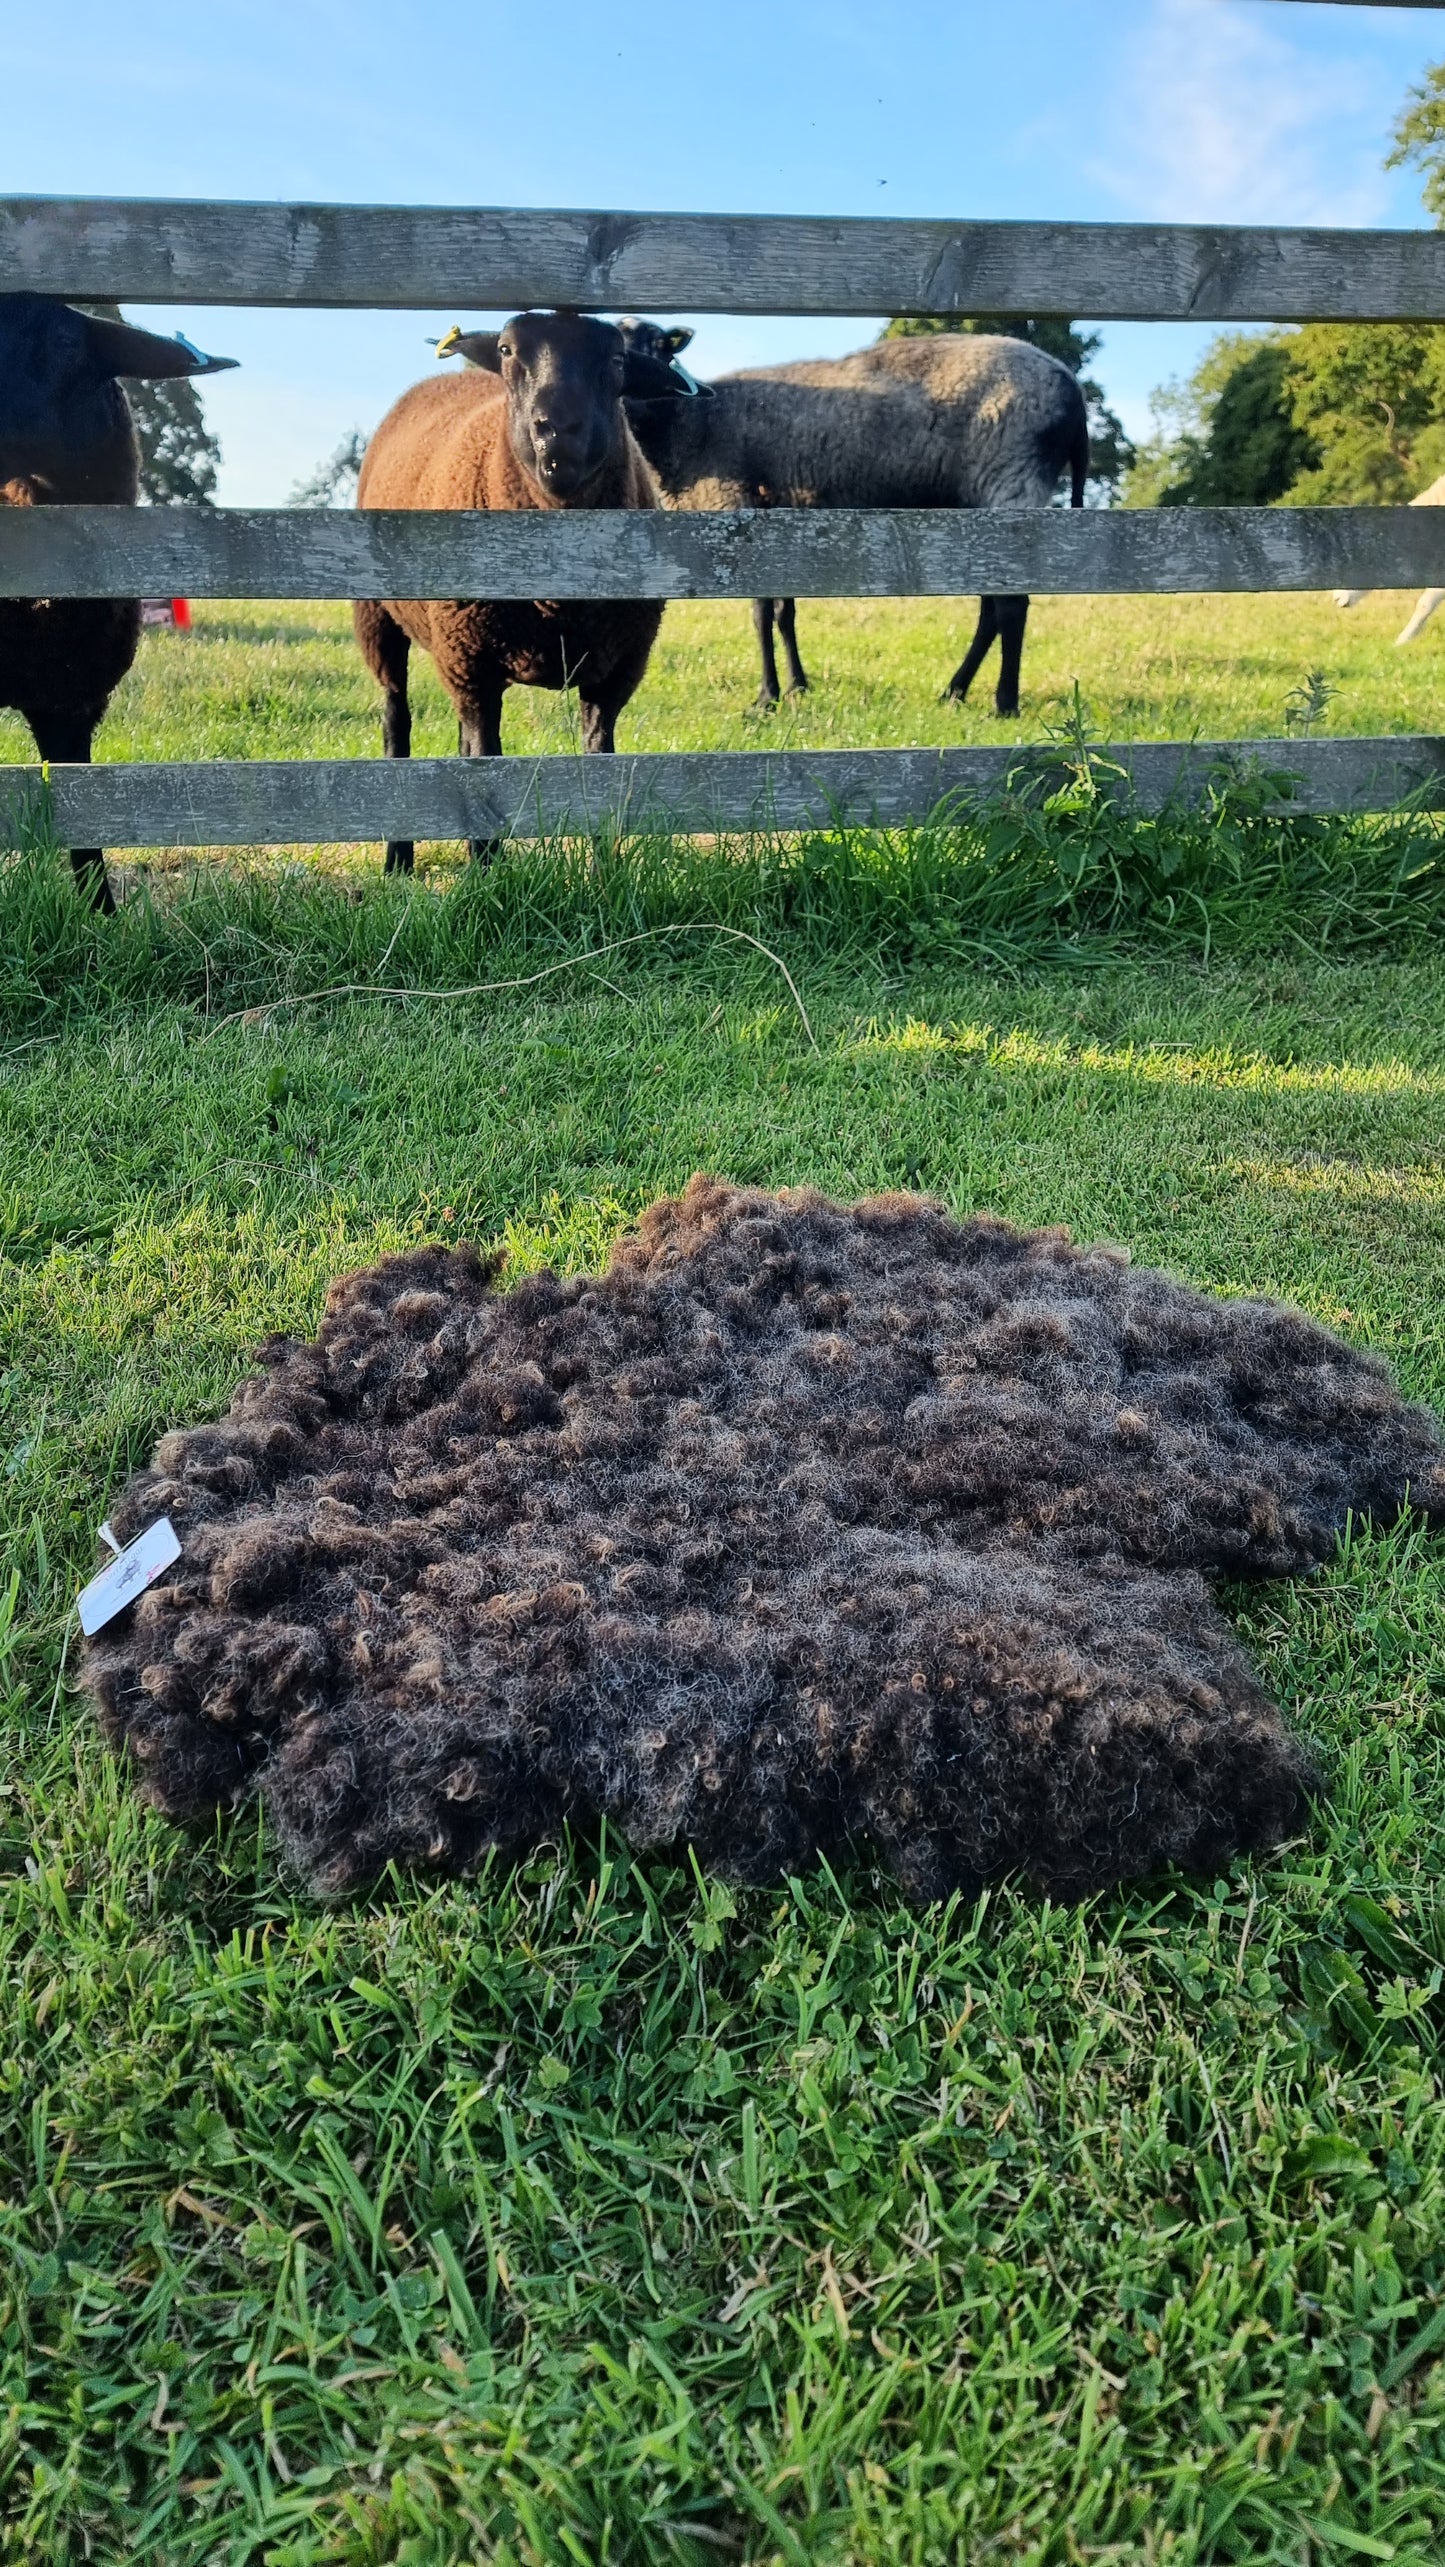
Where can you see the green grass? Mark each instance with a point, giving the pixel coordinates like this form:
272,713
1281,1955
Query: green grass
589,2213
286,681
259,680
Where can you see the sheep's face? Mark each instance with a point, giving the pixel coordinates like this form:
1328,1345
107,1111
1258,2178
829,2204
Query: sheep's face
653,339
564,380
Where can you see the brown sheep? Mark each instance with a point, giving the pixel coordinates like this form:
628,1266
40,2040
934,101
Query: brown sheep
799,1524
536,421
67,439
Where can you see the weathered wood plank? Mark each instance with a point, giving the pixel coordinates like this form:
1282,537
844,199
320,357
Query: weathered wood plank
257,803
921,552
504,258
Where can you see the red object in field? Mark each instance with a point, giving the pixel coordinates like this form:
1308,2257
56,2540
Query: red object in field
181,614
172,614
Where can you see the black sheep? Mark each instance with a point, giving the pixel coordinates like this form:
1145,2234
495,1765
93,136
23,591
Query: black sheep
798,1524
66,440
956,421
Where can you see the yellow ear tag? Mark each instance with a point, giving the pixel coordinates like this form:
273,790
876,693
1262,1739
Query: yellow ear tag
446,344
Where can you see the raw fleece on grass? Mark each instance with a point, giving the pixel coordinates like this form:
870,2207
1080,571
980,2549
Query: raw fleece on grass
798,1524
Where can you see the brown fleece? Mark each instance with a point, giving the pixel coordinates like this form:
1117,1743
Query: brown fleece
798,1524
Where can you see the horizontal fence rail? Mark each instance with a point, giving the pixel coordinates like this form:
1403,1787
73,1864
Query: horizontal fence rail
474,259
502,258
784,552
263,803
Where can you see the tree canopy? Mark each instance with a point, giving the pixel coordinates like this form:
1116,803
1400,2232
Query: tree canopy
1420,137
1333,414
1226,438
332,484
1372,398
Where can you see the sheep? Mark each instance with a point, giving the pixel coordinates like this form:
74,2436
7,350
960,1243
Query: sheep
1434,497
536,423
970,421
67,439
799,1524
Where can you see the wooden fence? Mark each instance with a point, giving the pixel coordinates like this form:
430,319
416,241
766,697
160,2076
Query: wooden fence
482,259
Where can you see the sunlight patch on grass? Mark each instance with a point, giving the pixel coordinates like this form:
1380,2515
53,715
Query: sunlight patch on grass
1345,1181
1216,1067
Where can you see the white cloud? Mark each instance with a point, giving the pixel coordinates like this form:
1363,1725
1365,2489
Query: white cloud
1221,118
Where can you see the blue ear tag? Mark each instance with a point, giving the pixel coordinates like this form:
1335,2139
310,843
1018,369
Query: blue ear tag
205,364
680,370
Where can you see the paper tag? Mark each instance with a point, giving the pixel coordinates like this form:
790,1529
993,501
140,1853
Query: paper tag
136,1568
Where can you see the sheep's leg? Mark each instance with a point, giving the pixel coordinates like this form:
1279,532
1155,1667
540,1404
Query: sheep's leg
763,612
63,739
787,614
1013,616
479,735
1433,598
599,723
386,650
978,650
600,702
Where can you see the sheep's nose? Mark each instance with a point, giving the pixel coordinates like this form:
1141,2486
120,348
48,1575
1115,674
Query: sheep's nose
556,422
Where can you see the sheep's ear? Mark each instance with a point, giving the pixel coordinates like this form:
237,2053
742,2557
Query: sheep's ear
676,340
474,347
118,349
649,378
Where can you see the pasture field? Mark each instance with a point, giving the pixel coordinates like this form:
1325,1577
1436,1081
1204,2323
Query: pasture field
592,2212
258,680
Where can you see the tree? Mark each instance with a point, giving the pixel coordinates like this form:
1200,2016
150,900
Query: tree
1334,414
179,455
1228,436
333,483
1111,453
1337,414
1420,137
1371,397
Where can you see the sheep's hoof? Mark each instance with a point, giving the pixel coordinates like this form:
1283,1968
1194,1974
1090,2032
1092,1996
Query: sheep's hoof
764,703
1007,713
802,688
953,695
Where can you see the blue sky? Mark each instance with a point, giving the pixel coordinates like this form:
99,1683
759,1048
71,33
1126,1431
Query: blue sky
1235,110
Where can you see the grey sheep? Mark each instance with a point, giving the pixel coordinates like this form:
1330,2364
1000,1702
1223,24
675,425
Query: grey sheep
67,439
959,420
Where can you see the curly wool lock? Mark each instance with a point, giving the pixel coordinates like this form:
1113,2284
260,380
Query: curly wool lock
797,1524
